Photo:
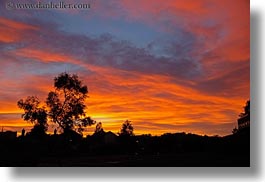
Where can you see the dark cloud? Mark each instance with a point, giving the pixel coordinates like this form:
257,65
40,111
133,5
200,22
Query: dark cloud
230,84
173,58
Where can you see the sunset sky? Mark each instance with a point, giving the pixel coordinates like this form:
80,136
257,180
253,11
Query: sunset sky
168,66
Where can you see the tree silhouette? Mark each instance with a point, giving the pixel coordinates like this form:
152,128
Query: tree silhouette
246,110
99,129
35,114
244,117
127,129
67,103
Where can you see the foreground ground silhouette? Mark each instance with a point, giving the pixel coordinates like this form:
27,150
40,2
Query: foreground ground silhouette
107,149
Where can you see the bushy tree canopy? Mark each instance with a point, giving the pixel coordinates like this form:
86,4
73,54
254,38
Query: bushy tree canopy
67,103
99,128
34,113
246,109
127,129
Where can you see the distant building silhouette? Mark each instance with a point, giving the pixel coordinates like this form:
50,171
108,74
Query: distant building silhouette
244,122
110,138
8,135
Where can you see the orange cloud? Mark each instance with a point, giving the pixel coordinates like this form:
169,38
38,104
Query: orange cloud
155,99
41,55
155,103
12,31
16,25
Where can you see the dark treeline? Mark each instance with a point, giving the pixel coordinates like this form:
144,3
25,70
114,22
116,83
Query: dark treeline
108,149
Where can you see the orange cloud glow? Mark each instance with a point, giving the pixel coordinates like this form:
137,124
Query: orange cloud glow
147,100
12,31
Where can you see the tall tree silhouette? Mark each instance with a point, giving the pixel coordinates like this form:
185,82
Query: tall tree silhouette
127,129
67,103
35,114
